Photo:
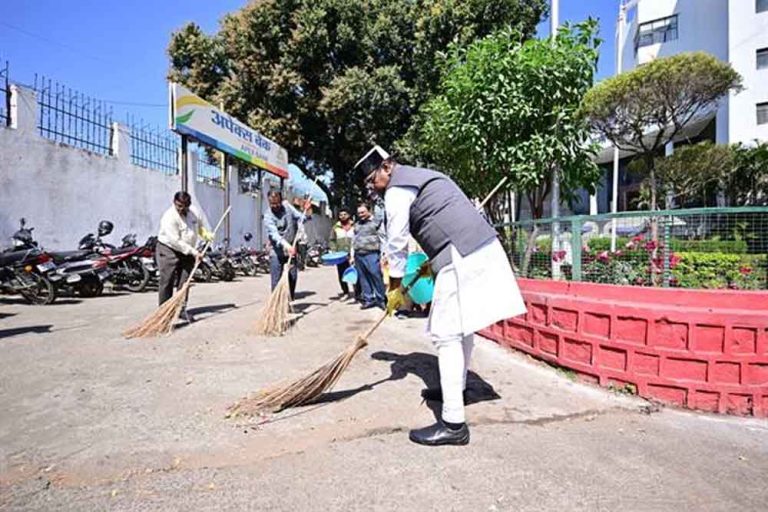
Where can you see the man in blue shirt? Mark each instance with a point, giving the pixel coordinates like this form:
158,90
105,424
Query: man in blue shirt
282,222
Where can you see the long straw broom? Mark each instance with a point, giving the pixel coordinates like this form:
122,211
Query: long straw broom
306,389
275,316
160,323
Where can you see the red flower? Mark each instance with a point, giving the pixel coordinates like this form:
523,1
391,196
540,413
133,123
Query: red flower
674,259
650,245
638,238
604,256
558,256
745,271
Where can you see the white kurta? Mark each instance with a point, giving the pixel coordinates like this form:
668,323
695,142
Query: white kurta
474,292
471,293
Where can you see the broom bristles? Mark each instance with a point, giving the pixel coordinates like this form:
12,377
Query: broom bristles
300,391
160,322
275,317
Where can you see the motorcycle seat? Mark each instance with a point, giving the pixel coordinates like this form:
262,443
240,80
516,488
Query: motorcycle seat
65,256
9,258
122,250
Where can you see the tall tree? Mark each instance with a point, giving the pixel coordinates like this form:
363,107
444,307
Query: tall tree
642,110
326,78
511,109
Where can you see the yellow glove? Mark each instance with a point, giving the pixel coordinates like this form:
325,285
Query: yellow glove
426,271
206,235
395,300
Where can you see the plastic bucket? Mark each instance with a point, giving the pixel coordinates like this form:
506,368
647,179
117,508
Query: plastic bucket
421,292
350,275
334,258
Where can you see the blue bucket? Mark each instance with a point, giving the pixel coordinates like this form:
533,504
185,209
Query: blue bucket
424,288
334,258
350,275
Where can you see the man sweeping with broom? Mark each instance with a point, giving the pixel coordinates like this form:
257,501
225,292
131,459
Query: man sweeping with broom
282,221
474,287
176,251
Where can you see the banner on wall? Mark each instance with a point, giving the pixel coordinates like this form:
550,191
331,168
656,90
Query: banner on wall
193,116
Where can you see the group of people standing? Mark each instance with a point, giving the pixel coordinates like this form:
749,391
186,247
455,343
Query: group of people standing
362,239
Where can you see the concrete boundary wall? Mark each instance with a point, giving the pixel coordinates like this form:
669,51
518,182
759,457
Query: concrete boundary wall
699,349
64,192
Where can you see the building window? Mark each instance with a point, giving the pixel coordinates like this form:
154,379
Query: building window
761,5
762,58
762,113
657,31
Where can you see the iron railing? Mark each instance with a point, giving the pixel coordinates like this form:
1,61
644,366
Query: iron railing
696,248
153,148
208,168
73,118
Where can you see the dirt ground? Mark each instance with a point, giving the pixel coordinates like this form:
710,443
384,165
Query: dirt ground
90,421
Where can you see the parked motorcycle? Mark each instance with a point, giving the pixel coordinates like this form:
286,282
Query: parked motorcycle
242,258
146,254
315,253
215,265
124,263
25,269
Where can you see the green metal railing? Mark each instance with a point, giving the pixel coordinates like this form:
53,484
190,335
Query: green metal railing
697,248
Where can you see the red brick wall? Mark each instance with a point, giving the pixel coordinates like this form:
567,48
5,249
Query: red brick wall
705,350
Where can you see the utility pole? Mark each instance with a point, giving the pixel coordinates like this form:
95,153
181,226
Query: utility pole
555,199
623,8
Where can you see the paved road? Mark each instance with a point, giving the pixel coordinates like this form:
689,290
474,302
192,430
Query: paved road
91,421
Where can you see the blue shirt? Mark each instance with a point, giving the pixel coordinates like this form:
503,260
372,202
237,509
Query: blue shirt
271,221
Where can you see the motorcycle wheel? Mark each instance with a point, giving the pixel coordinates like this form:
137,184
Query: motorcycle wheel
90,289
38,289
227,271
204,273
138,277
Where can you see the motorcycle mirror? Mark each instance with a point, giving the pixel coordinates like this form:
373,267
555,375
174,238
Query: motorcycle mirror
22,222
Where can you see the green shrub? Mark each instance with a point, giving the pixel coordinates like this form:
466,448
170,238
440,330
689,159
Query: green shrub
603,243
719,270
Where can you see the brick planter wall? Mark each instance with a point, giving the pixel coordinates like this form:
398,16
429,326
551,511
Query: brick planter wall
700,349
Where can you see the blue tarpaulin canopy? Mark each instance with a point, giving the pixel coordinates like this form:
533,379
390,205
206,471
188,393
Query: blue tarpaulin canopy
301,185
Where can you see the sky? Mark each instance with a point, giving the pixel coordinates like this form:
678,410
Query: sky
115,50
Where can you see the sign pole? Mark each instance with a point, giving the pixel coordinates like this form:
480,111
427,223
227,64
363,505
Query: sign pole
184,163
225,178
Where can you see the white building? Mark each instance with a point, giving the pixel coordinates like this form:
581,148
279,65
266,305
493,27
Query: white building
735,31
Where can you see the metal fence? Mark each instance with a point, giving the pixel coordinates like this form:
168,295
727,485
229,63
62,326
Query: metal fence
711,248
5,94
73,118
153,148
208,168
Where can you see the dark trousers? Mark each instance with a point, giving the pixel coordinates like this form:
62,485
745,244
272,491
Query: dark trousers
345,286
276,265
173,270
369,271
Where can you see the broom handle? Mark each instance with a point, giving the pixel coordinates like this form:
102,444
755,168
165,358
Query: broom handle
426,263
207,245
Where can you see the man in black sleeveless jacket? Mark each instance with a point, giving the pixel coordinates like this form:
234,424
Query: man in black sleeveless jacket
474,284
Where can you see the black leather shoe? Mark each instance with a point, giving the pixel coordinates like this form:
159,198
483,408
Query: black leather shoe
368,306
436,394
187,317
438,434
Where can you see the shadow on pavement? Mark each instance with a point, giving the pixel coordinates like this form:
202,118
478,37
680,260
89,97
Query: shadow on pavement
38,329
423,366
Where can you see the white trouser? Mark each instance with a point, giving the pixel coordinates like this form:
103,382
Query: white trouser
454,348
453,356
